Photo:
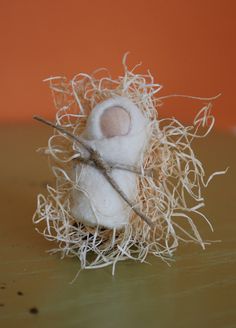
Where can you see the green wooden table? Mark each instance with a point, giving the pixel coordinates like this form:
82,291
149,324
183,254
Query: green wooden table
198,290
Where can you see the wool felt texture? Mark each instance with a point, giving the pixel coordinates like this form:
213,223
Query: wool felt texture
95,201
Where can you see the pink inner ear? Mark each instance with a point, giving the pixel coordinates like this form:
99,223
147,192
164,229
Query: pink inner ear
115,121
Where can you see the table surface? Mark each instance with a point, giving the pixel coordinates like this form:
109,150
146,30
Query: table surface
198,290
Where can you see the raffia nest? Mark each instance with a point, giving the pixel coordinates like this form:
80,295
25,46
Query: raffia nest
171,195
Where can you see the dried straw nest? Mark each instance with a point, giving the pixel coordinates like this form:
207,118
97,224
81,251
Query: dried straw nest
171,195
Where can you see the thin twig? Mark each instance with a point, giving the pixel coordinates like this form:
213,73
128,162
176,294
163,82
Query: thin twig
129,168
71,135
101,165
131,204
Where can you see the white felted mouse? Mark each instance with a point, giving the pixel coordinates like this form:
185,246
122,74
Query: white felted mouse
117,129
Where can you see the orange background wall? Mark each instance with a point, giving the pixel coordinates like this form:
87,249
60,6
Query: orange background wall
188,45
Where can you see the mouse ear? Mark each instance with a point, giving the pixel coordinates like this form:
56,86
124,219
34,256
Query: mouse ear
115,121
